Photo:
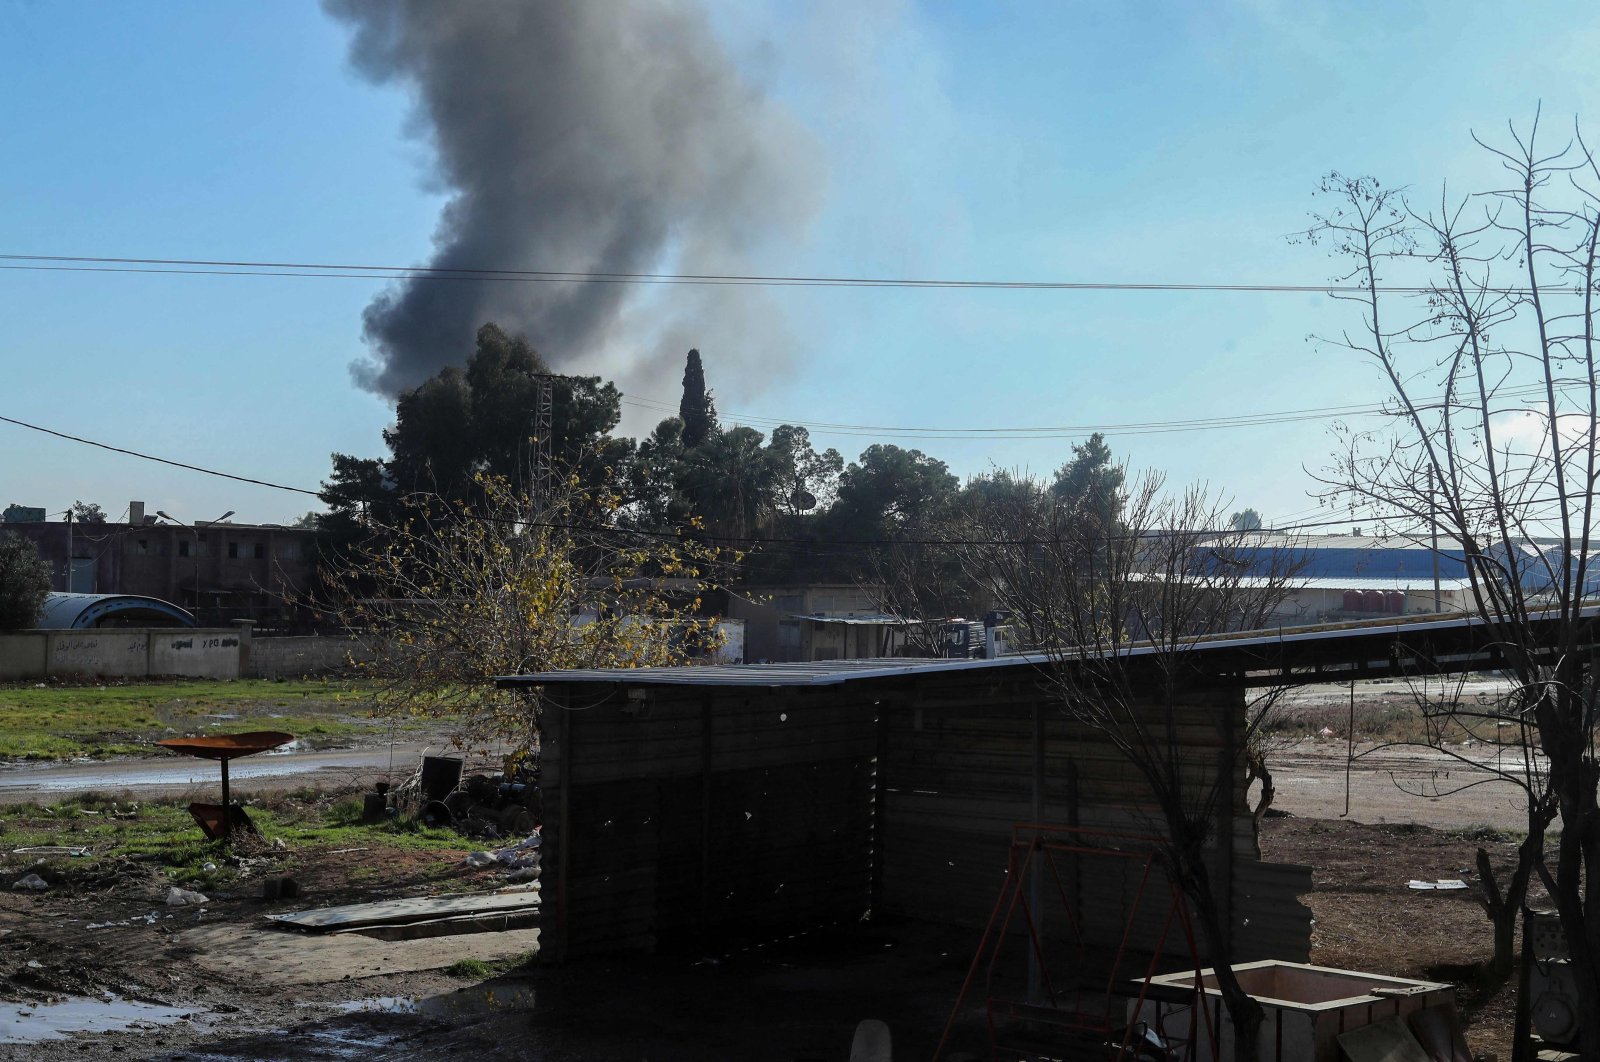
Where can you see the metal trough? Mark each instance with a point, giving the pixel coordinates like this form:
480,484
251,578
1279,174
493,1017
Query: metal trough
1307,1007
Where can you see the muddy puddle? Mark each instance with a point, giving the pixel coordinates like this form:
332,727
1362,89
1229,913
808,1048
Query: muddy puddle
463,1003
48,780
27,1023
484,1022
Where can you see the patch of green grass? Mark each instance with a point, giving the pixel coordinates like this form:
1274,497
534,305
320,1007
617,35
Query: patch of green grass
163,835
110,719
1483,833
479,969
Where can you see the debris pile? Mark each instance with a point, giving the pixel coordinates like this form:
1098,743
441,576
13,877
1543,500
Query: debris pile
520,860
492,807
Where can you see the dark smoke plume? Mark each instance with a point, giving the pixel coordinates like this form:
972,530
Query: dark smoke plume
600,136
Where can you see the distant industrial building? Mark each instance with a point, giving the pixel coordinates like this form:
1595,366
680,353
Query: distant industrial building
218,572
1356,576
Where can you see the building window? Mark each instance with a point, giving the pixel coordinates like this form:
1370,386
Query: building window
233,551
142,548
259,551
183,547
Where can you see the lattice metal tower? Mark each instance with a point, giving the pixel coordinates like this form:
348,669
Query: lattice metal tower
543,485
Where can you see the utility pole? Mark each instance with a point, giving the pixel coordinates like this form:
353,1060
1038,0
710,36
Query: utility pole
68,586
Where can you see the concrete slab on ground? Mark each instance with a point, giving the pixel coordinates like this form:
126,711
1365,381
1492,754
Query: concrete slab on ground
284,957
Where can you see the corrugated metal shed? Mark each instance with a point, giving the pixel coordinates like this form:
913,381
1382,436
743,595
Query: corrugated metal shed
690,805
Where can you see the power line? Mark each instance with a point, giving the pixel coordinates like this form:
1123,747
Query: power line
159,460
808,545
225,267
1197,424
1154,427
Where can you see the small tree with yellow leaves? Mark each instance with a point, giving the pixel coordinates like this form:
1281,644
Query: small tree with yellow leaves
450,595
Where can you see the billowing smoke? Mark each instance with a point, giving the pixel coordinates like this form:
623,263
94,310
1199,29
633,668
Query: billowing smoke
612,136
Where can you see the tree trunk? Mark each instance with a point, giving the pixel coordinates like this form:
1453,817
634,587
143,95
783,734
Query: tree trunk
1244,1012
1255,766
1504,909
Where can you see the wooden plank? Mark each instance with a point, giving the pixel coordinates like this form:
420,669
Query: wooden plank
414,909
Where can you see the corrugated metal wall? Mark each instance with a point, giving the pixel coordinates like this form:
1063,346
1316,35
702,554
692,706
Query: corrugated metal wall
706,819
959,772
718,816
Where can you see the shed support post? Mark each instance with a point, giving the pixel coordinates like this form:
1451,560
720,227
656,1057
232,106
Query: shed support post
1036,863
705,813
880,785
555,756
1227,766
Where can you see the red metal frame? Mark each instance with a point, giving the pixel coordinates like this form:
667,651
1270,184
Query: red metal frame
1144,855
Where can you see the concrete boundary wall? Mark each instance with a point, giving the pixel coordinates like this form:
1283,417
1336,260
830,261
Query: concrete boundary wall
186,652
22,656
299,657
123,652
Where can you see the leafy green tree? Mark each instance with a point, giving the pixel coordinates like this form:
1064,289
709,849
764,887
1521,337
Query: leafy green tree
1090,485
359,490
806,480
24,582
891,490
504,377
1245,520
432,445
481,420
696,409
87,513
732,481
904,503
655,502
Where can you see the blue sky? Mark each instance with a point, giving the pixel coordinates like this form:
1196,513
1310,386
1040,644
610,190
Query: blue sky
1116,142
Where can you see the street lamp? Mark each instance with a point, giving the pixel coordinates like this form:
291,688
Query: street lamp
195,528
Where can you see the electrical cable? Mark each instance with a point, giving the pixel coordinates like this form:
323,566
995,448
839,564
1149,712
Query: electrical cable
159,460
815,546
101,263
1154,427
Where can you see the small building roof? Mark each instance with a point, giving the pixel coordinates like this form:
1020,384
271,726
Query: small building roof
864,619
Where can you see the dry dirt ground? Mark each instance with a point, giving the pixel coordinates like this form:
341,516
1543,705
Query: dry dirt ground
1366,918
232,998
797,1001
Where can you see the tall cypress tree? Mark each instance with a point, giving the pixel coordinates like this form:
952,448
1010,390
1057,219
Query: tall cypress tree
696,410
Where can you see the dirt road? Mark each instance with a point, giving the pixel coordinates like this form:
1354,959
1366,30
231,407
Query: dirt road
173,775
1394,785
